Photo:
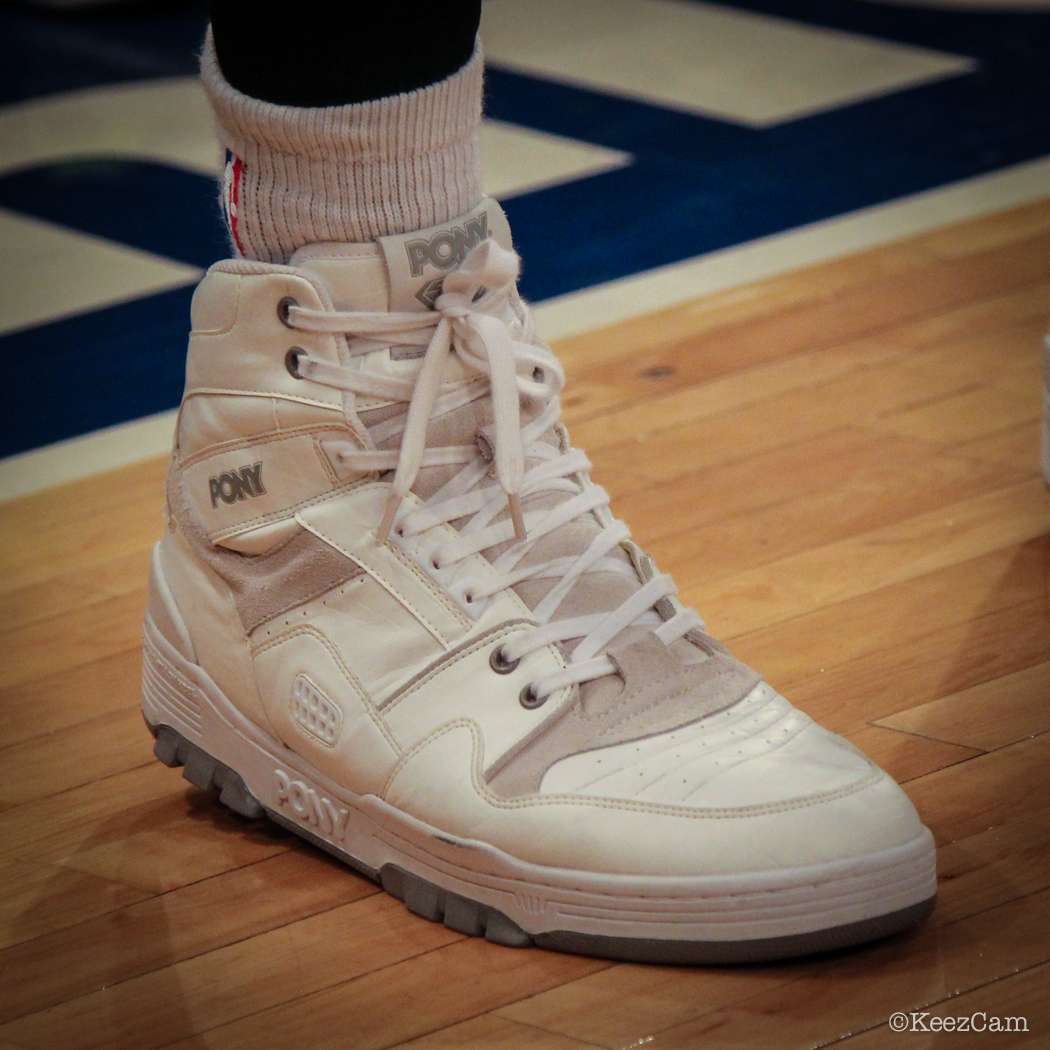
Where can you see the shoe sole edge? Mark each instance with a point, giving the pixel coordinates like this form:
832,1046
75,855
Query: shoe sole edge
169,692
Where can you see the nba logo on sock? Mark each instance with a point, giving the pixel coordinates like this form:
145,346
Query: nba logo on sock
231,196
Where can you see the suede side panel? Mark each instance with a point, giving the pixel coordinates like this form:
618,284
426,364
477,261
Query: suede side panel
266,585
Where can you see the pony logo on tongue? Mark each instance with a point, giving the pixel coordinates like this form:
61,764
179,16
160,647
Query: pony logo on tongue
447,247
418,262
428,294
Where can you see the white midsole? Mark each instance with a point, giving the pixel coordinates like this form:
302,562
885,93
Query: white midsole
540,899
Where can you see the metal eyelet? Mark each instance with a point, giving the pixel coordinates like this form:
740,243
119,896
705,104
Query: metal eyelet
529,700
499,662
284,309
291,361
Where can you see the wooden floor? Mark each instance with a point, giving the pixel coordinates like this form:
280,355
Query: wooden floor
839,466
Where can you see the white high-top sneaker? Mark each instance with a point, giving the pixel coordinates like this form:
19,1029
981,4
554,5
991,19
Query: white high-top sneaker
392,613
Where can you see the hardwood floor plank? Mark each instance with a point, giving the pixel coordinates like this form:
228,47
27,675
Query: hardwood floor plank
79,754
445,986
1016,446
904,973
297,985
131,525
987,231
152,935
874,687
596,424
872,307
145,827
111,626
38,898
660,454
862,501
626,1005
76,589
169,844
1003,402
1021,996
56,826
987,716
741,303
491,1032
994,866
890,554
771,479
100,495
53,702
905,756
605,425
984,792
889,618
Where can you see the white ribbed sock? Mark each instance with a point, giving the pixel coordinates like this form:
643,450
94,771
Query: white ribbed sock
345,173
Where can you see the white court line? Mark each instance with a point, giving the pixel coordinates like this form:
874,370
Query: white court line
748,68
610,303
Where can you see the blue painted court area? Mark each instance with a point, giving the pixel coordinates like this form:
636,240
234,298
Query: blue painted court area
695,183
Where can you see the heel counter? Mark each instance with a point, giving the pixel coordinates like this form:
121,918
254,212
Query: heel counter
163,612
199,606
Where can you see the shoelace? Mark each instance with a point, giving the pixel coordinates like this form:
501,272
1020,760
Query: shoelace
480,318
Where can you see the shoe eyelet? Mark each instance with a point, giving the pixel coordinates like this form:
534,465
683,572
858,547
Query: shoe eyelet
284,309
434,563
538,375
529,700
291,361
499,662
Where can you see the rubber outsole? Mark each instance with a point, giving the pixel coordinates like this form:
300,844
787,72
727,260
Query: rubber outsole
475,919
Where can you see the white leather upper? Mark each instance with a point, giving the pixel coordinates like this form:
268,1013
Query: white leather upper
758,752
384,683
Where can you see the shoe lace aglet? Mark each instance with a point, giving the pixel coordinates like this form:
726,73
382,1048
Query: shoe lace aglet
392,507
517,517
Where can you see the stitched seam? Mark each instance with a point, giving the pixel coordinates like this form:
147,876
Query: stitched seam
348,674
638,711
483,640
323,588
289,512
663,809
234,444
462,618
312,402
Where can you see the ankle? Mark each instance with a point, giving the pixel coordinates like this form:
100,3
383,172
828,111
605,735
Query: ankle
296,176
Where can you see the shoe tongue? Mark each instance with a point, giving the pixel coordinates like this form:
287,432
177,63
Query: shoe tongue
402,272
417,263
